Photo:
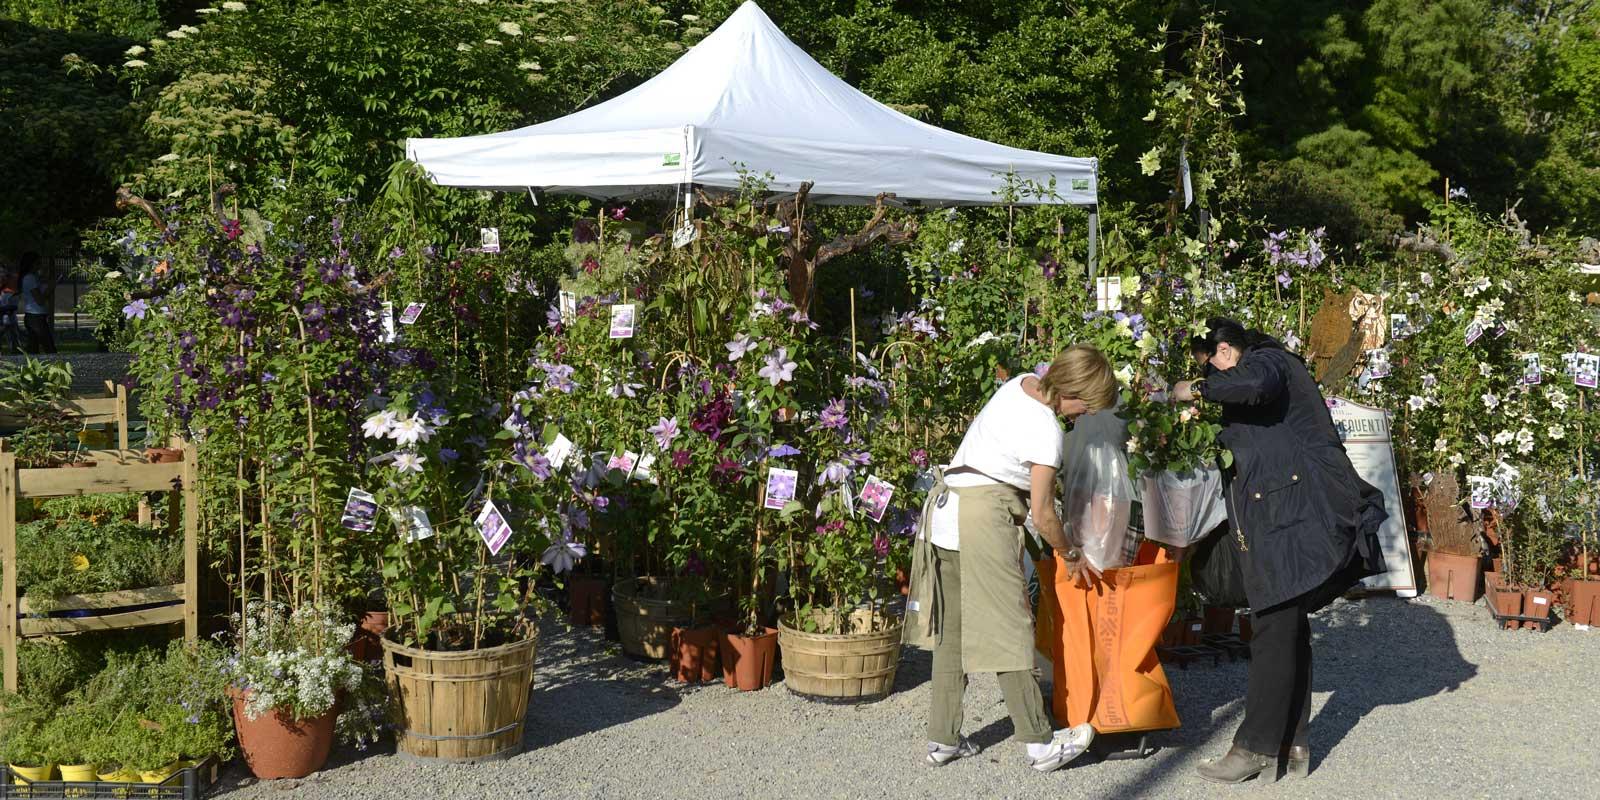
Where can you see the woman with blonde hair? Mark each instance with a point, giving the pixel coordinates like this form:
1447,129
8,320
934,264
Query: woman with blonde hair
967,571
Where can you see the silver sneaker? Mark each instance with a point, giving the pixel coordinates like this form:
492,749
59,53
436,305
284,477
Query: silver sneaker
1065,746
942,754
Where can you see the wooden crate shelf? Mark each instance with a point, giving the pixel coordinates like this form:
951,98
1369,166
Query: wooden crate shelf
110,408
114,471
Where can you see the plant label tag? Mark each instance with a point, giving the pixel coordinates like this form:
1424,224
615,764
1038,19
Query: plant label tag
360,511
569,307
1474,332
642,468
1580,627
412,313
685,234
1587,372
622,321
490,239
1541,601
623,462
1399,326
875,497
1108,294
1482,491
558,452
412,523
494,529
1378,363
1532,371
1194,627
781,485
386,321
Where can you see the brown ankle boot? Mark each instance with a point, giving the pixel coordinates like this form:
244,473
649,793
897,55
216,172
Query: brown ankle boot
1238,766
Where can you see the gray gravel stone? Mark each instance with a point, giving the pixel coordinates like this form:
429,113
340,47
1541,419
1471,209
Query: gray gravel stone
1413,699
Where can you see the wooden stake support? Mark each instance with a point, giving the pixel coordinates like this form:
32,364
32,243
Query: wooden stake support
115,471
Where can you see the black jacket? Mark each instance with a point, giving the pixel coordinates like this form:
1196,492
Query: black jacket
1308,521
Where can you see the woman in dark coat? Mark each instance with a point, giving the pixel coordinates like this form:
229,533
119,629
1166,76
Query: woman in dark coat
1307,525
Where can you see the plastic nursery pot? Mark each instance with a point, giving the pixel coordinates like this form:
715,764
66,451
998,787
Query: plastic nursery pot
78,773
161,774
364,644
586,595
1508,603
1583,603
118,776
27,775
1217,619
694,654
747,661
1537,604
162,455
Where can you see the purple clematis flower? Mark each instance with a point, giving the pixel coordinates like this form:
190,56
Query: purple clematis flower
834,415
665,431
136,309
778,368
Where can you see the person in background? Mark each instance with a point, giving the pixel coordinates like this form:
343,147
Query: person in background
36,301
10,333
1307,525
968,596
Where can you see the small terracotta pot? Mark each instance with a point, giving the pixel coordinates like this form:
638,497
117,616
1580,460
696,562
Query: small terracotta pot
586,600
163,455
1193,627
747,661
1245,631
1583,602
1497,565
694,656
365,646
1491,581
1507,602
1454,577
1537,604
276,746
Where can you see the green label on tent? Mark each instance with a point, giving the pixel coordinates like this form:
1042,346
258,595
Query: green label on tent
671,160
1080,184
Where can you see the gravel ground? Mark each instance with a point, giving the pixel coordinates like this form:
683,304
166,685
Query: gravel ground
1413,699
90,371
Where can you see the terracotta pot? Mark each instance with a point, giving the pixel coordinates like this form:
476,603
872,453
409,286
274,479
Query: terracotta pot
163,455
364,646
694,657
1217,619
1594,566
1537,603
1193,627
1497,565
902,581
747,661
1507,602
1454,577
276,746
1583,602
1245,631
1002,374
586,600
1172,635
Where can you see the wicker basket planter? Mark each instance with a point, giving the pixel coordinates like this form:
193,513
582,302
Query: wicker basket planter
848,667
463,707
644,622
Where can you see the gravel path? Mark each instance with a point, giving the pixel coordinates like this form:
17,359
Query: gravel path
1413,699
90,371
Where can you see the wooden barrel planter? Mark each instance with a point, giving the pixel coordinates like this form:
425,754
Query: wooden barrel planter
644,622
462,707
849,667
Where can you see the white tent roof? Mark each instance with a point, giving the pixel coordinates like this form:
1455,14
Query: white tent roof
748,98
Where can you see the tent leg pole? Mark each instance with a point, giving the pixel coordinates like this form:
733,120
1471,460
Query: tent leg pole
1094,242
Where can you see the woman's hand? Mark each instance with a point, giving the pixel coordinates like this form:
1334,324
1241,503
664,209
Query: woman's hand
1182,392
1082,573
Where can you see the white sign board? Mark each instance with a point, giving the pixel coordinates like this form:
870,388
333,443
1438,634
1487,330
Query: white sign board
1365,433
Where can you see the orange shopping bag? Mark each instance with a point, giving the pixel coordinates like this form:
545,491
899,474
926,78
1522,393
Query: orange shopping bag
1102,644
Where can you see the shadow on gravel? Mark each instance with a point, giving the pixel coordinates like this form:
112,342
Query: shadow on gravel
567,703
1371,653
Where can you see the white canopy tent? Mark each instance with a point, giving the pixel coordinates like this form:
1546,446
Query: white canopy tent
747,98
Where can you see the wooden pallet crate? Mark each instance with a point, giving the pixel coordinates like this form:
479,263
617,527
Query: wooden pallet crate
114,471
107,408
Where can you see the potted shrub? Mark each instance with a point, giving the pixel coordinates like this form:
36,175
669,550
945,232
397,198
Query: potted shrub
286,677
25,741
1455,568
72,735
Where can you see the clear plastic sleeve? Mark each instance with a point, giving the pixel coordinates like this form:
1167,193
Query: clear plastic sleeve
1180,508
1096,490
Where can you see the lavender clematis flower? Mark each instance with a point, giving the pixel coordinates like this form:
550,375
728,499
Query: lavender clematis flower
740,345
834,415
136,309
778,369
563,555
782,450
665,431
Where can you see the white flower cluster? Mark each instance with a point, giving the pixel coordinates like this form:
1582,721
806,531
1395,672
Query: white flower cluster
293,661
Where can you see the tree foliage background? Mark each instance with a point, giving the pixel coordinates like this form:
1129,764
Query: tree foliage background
1357,112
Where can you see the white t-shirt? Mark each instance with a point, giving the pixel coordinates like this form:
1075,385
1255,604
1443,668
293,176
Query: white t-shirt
1011,434
30,284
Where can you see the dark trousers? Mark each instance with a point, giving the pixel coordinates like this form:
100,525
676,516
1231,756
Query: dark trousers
1277,706
10,332
39,338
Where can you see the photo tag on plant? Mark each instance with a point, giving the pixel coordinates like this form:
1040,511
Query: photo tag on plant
412,523
1587,372
875,496
386,320
1532,371
558,451
494,529
1474,332
622,321
623,462
1399,326
685,234
490,238
1482,491
642,468
1569,364
1499,331
1378,363
1108,294
781,486
569,307
412,313
360,511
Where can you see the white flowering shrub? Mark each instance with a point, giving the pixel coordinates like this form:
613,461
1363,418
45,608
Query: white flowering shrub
294,661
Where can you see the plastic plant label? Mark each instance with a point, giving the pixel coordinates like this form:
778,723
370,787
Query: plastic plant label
412,313
1541,601
360,511
1474,332
781,485
875,497
490,239
1587,372
1399,326
1108,294
1532,370
494,529
569,307
1378,363
685,234
622,318
412,523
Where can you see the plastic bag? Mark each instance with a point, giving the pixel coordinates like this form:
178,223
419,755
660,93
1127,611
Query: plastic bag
1180,508
1096,491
